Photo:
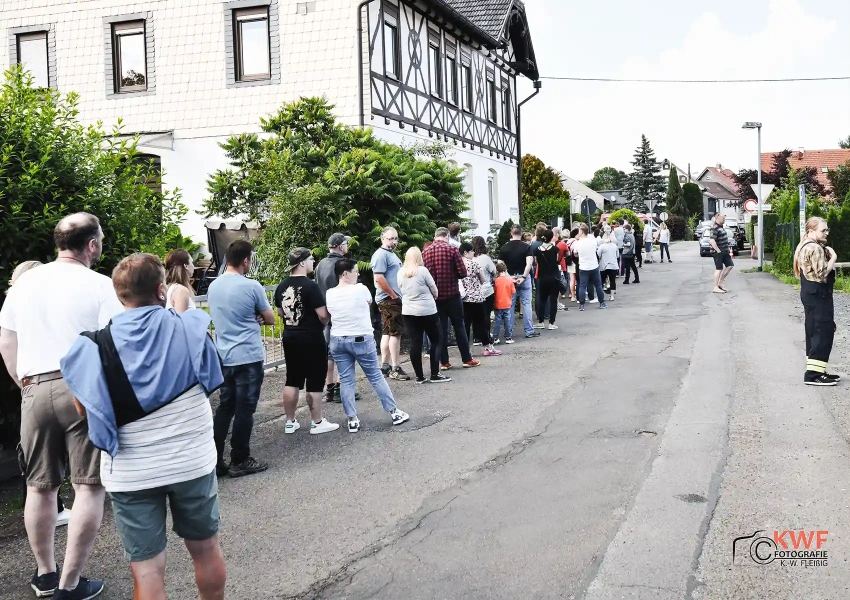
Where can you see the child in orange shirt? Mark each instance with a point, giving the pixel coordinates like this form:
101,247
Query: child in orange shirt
505,292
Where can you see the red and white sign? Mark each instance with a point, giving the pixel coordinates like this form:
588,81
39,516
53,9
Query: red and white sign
751,206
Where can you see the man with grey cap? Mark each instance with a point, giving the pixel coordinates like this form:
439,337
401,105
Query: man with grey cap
326,279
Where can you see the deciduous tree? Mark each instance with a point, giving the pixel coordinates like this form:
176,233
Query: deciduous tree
607,178
539,181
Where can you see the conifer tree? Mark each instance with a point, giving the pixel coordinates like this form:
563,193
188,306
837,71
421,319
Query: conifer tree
645,185
675,198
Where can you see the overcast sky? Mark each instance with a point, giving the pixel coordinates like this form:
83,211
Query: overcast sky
578,127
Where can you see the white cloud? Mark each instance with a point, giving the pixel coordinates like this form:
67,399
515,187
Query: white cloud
581,127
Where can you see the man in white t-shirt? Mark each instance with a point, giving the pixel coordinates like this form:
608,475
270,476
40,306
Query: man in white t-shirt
588,265
42,317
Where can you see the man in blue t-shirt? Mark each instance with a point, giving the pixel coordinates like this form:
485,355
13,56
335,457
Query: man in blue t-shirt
238,307
385,267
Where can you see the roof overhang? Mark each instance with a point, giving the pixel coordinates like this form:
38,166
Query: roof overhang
514,29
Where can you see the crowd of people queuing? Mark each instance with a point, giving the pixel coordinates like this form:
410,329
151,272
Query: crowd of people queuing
116,373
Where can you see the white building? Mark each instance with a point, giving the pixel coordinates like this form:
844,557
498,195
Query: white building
187,74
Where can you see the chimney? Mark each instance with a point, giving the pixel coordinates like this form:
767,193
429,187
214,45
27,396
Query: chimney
801,152
719,167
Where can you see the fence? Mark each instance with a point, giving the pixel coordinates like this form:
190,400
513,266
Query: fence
786,240
270,334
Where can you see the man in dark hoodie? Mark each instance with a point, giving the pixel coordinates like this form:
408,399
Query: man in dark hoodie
326,279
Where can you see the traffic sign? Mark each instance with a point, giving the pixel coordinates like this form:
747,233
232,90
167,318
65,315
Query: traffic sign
663,216
751,206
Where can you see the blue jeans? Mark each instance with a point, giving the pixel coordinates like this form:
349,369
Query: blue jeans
240,393
503,315
593,279
346,350
523,290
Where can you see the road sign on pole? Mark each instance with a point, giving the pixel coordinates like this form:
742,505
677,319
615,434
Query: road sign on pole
802,189
751,206
663,216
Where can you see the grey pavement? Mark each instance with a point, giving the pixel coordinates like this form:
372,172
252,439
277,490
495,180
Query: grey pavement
617,457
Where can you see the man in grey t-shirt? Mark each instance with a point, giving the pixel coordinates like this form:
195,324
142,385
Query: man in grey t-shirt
238,307
385,267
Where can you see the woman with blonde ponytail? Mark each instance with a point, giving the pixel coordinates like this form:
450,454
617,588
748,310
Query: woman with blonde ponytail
814,264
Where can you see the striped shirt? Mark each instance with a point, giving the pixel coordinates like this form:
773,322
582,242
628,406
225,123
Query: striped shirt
171,445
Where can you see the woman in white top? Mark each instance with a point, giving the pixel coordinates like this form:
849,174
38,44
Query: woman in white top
608,254
353,342
664,241
178,281
419,307
488,268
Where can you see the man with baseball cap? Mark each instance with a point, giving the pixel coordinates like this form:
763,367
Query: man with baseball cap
326,279
301,305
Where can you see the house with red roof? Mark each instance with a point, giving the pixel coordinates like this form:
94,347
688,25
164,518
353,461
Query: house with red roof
720,193
822,161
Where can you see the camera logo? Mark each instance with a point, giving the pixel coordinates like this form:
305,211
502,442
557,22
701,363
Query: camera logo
788,548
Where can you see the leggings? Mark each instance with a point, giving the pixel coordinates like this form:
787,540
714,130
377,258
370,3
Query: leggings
417,328
547,291
611,275
665,248
474,317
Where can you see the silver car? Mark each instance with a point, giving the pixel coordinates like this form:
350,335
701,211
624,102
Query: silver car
705,244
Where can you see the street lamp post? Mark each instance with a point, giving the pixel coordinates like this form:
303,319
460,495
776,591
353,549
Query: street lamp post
537,85
760,199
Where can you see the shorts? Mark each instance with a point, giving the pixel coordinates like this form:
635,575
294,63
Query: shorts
141,520
571,269
391,319
723,259
50,428
306,363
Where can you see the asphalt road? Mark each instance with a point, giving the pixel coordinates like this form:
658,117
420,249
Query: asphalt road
617,457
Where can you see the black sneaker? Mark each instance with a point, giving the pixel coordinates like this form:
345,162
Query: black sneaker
533,334
86,590
821,380
399,374
832,376
44,585
249,466
438,378
386,369
222,469
422,380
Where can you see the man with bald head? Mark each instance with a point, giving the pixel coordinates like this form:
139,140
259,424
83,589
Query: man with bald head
44,313
385,267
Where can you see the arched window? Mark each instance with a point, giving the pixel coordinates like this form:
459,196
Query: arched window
493,195
468,187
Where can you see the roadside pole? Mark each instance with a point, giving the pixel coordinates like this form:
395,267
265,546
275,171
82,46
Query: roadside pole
802,189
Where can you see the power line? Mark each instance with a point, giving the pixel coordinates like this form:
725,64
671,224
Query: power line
615,80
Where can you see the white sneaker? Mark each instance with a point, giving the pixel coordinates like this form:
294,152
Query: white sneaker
399,416
539,326
353,425
323,426
476,343
63,518
497,342
594,301
509,340
291,427
551,327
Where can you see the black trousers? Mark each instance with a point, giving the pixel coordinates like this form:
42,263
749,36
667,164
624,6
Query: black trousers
476,320
451,309
665,248
820,333
417,327
622,263
629,264
547,291
611,276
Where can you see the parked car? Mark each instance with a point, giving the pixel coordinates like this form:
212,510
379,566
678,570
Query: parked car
705,245
740,236
701,227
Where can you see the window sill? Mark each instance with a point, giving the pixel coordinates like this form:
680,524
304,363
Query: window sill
136,94
253,83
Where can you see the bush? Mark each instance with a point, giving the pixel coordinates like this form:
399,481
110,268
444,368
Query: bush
624,213
771,220
678,227
546,210
751,231
312,176
786,240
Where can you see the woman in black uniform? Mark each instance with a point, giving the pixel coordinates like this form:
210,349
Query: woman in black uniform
814,264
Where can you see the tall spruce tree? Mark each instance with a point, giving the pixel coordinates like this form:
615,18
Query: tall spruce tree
645,184
675,198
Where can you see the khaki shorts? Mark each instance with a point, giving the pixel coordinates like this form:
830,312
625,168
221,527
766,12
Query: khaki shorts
391,320
50,429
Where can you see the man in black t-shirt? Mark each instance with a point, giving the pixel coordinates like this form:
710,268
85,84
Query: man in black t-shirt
301,305
517,256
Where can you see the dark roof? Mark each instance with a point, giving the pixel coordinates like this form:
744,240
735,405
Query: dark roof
718,190
493,23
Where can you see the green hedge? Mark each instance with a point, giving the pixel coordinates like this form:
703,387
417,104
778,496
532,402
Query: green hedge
771,220
786,238
624,213
678,227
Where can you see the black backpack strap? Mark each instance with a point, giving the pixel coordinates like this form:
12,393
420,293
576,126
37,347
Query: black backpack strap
125,404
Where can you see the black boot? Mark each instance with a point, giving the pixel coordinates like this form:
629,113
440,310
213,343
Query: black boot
332,393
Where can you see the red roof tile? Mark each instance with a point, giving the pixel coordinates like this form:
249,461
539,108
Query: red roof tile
818,159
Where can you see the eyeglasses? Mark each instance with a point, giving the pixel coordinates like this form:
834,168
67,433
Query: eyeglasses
391,239
824,230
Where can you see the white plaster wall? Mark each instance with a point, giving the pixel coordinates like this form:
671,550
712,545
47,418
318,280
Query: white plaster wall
481,163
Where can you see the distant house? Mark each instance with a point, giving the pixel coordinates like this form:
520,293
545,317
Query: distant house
719,193
616,198
582,198
822,160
